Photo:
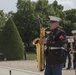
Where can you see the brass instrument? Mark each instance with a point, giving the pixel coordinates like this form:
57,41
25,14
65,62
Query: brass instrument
40,49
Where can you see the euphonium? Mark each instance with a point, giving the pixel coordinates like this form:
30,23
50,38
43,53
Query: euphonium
40,49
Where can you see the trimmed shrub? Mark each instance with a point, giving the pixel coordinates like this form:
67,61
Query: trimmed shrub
11,44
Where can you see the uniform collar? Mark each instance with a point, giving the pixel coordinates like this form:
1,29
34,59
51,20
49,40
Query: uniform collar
54,30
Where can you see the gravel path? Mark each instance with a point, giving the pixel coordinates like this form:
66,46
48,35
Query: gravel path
30,65
22,64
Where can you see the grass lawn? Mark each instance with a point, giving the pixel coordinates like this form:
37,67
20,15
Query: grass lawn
31,56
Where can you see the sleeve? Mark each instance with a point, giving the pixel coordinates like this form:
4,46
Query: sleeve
59,41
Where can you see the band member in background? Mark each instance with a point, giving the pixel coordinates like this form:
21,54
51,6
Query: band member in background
55,48
68,54
74,54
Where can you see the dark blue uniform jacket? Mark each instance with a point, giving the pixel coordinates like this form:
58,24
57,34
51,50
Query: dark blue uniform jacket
56,39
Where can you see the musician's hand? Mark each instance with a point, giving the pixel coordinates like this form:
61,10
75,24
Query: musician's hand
65,49
43,41
71,52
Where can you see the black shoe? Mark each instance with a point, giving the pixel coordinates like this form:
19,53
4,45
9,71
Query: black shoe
74,67
68,68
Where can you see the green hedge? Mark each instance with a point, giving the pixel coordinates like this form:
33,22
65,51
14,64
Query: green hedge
11,43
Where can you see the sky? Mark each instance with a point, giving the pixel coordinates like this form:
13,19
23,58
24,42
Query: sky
10,5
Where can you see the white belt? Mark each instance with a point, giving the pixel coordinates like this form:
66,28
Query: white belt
56,48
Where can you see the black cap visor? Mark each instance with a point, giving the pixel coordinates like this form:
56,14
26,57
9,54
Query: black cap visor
52,21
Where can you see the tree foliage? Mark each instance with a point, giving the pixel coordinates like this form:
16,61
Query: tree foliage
2,19
25,19
71,16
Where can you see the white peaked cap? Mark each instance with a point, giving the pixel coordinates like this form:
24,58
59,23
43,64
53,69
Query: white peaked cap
53,18
74,31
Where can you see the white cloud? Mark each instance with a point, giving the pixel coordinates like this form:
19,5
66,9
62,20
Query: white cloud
68,4
8,5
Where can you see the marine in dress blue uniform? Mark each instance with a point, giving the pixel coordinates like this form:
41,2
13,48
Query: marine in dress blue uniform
74,54
68,55
55,48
